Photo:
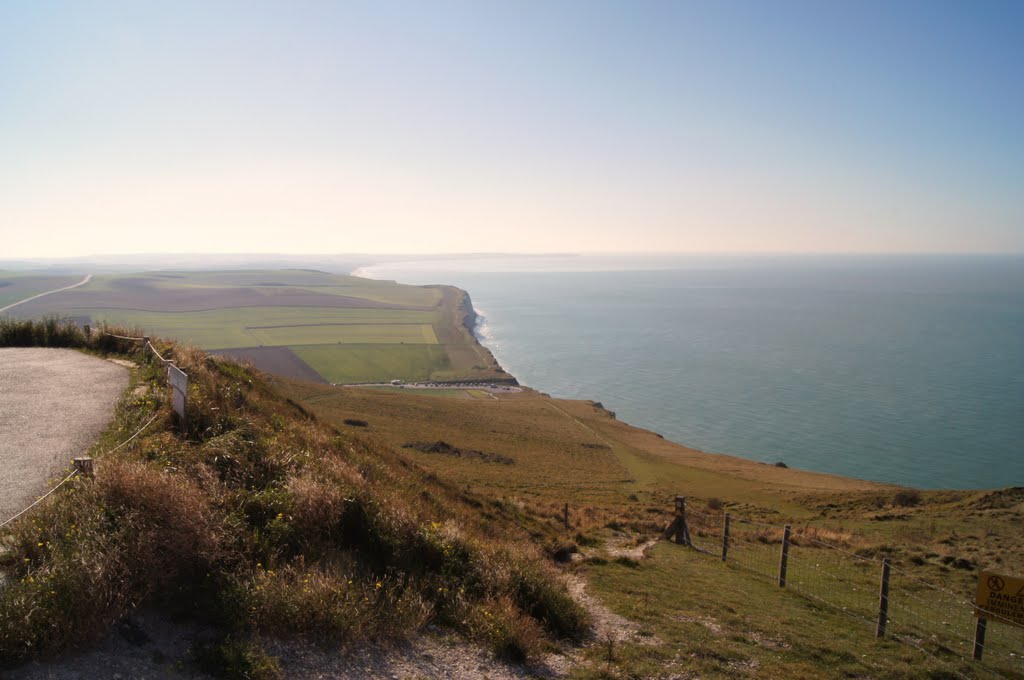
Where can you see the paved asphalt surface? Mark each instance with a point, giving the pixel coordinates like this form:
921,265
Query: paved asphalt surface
53,405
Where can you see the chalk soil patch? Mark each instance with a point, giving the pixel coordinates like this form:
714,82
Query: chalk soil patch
53,405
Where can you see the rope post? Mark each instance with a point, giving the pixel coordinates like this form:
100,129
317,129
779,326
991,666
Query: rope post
565,516
883,599
145,349
784,560
88,331
725,538
979,638
83,466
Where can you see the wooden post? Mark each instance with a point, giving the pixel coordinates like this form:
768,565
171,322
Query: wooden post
979,638
88,331
725,538
883,599
682,531
565,516
680,513
784,560
145,349
83,466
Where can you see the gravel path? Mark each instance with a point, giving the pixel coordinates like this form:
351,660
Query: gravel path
53,405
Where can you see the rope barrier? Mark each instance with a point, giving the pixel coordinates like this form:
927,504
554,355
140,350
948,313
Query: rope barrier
157,354
39,500
119,337
75,472
148,423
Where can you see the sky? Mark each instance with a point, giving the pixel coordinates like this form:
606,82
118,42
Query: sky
480,126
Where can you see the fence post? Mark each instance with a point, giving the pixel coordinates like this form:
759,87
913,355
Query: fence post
145,349
682,531
883,599
83,466
88,331
979,638
784,560
725,538
565,516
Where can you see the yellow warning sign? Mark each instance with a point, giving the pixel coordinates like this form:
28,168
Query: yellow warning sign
1000,598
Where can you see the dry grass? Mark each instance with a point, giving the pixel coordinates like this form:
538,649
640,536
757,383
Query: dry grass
267,522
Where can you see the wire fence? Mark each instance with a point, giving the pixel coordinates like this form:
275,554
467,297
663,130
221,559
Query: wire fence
938,621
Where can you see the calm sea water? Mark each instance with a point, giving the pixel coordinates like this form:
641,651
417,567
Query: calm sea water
899,369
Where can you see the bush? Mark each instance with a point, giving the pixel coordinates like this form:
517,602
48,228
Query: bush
262,521
48,332
906,498
239,659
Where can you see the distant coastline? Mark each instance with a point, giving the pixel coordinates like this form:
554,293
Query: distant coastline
844,365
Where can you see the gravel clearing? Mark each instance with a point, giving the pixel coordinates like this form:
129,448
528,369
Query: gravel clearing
53,405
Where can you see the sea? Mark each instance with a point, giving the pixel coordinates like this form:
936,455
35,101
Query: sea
902,369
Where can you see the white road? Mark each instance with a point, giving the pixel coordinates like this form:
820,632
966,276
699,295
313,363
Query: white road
84,281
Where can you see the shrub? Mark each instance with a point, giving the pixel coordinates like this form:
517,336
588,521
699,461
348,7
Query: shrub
510,635
906,498
239,659
262,521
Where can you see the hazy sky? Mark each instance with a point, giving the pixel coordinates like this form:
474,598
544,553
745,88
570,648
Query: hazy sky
425,126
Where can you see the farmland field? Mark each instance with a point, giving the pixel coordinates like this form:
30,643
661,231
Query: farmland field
318,334
338,328
373,362
18,286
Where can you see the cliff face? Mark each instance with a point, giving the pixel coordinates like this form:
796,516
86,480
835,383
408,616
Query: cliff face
470,318
470,321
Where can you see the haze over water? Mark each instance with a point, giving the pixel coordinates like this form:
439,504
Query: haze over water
898,369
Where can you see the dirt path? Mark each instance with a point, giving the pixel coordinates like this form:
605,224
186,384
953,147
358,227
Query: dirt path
148,646
53,405
88,277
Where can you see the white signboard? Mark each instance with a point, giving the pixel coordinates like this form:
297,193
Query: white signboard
179,388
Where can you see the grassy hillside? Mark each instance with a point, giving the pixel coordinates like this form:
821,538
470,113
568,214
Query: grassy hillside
345,514
262,521
710,618
341,328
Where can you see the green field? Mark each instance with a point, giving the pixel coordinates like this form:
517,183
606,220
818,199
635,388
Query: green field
348,329
269,281
387,334
247,326
373,362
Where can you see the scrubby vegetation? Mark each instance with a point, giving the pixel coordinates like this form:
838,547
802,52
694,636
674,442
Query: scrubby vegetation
266,521
263,521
